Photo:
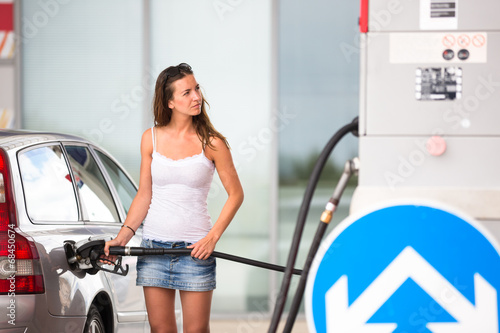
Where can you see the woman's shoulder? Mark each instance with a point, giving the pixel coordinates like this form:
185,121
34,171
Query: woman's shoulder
147,139
147,131
217,143
217,148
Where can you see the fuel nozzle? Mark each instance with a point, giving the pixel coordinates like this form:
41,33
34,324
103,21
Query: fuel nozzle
351,168
87,255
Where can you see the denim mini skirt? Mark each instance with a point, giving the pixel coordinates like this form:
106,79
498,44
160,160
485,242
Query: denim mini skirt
181,272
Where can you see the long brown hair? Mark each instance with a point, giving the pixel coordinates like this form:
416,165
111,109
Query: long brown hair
164,92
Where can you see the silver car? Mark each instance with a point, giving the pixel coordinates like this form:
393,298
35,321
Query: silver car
55,188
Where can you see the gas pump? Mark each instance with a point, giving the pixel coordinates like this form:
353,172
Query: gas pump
420,251
429,101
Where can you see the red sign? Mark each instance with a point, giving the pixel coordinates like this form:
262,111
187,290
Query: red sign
6,16
478,40
463,40
363,17
449,40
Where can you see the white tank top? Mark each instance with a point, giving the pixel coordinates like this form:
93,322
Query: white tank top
178,209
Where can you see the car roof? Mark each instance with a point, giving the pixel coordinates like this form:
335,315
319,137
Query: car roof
10,139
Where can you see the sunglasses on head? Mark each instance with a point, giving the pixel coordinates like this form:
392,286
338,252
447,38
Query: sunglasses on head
176,70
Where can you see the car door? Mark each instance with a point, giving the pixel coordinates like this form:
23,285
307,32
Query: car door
105,193
49,213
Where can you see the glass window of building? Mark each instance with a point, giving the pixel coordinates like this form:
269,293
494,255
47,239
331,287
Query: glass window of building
280,76
82,72
318,88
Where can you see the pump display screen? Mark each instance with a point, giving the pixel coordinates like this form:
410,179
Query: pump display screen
437,83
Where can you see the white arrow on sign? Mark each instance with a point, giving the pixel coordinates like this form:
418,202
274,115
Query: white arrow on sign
342,318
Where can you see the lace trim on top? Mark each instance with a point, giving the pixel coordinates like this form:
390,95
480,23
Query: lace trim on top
202,153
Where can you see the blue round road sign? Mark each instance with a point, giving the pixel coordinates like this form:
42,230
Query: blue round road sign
405,268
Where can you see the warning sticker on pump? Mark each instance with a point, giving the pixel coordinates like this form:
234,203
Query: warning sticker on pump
438,84
438,14
438,47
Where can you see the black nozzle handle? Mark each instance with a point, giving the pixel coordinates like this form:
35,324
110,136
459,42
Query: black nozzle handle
141,251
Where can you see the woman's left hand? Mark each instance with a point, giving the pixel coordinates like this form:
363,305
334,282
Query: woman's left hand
203,248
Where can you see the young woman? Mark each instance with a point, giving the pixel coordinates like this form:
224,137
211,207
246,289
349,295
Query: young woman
178,158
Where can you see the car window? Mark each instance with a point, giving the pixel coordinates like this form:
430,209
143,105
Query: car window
95,197
124,186
48,191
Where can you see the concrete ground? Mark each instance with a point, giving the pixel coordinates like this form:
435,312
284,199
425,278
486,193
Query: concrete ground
252,325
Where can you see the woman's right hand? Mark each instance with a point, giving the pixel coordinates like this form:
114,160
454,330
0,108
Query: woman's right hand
113,242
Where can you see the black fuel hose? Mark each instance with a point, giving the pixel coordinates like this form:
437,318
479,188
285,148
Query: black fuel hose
140,251
301,219
351,168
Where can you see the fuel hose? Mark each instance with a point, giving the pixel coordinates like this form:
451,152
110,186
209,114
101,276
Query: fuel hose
351,167
301,219
141,251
